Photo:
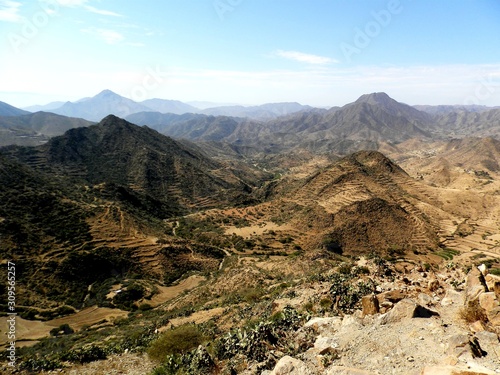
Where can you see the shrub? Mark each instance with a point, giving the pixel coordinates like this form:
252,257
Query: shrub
127,297
255,342
347,295
64,328
40,364
473,312
179,340
86,354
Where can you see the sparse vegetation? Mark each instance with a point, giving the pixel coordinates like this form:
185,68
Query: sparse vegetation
473,312
447,253
117,243
176,341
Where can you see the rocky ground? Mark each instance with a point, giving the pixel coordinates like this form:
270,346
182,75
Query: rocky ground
414,325
417,322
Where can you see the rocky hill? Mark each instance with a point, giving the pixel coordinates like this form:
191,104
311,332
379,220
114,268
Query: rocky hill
366,200
99,194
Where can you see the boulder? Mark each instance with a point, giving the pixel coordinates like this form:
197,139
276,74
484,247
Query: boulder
452,297
325,344
475,284
424,299
489,302
483,269
406,309
478,326
494,316
291,366
321,325
458,345
493,283
489,342
392,296
370,305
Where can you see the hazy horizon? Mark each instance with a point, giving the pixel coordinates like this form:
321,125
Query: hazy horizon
251,52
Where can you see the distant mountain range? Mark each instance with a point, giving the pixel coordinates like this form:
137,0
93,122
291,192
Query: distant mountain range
369,122
107,102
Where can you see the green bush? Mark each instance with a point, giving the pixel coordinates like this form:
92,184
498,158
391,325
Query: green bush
64,328
346,294
127,297
86,354
256,342
179,340
40,364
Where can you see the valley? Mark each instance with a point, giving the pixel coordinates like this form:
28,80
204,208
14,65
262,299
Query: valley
259,238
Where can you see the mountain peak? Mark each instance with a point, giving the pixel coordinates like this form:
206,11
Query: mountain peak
107,94
375,161
111,119
375,98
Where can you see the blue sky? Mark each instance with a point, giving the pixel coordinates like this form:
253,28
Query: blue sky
316,52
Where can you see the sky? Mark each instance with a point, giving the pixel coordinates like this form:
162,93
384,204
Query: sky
315,52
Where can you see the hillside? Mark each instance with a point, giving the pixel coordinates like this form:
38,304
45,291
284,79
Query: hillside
477,124
9,110
45,123
187,126
365,198
317,240
115,151
100,194
261,112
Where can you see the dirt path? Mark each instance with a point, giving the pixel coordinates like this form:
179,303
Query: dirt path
177,224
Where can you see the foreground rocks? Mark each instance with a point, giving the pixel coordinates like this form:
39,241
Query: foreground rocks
410,331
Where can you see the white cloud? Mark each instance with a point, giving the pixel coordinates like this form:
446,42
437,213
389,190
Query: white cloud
71,3
89,8
9,11
107,35
102,12
305,57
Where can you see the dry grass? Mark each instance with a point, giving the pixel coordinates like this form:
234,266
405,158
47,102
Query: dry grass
473,312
